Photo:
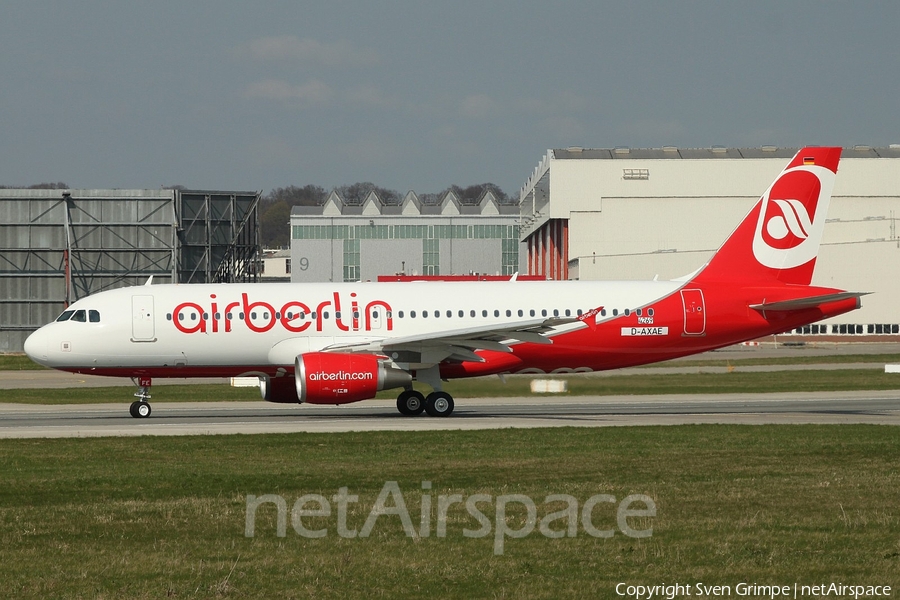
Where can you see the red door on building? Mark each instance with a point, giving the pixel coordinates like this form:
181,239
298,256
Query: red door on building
694,312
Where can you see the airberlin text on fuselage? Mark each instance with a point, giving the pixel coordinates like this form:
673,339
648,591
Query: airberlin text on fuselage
294,316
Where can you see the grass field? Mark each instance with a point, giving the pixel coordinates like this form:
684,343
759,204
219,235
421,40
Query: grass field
165,517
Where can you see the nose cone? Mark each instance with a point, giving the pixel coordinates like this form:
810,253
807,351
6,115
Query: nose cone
36,346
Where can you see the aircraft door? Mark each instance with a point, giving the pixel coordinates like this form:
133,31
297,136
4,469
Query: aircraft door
374,317
694,312
142,326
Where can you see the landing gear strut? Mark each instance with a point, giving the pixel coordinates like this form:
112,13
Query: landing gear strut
437,404
140,409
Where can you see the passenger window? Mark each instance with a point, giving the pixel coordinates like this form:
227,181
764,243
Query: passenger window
484,313
544,312
65,316
424,314
472,313
531,312
568,312
79,316
649,312
437,314
450,314
602,312
555,312
94,316
496,313
412,314
615,312
521,312
461,314
627,312
400,314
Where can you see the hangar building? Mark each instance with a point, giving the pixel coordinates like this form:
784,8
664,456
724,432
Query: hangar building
626,214
57,246
342,242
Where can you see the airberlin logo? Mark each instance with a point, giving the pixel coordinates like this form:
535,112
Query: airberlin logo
294,316
792,217
340,376
789,226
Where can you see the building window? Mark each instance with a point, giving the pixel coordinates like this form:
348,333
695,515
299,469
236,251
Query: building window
431,257
510,257
351,260
287,266
635,173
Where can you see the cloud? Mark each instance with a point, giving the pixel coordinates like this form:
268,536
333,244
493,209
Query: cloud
290,48
310,93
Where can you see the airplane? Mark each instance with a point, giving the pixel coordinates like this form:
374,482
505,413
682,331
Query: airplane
336,343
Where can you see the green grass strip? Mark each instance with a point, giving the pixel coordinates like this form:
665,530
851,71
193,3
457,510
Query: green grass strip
165,516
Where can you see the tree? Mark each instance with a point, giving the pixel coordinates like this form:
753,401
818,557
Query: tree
357,193
275,225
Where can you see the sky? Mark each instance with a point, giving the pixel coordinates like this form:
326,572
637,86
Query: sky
419,96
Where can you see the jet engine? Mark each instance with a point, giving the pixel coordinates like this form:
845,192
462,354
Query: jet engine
334,378
278,389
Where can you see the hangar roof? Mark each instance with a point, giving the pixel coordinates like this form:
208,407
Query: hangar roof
892,151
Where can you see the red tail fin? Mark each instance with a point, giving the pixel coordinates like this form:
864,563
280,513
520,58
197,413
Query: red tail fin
779,238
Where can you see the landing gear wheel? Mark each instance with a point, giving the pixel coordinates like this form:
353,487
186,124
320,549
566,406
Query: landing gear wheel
439,404
140,410
411,403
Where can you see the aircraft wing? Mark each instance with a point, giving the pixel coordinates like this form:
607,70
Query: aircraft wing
458,344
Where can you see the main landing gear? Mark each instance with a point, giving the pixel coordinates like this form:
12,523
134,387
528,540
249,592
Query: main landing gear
140,409
436,404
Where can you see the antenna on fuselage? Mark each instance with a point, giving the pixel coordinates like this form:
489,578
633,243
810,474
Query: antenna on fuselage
149,280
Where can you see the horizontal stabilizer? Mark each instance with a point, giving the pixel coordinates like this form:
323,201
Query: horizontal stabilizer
804,303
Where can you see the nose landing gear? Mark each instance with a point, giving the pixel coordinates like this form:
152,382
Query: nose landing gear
140,409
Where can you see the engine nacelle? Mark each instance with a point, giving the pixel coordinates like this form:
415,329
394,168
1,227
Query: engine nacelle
278,389
326,378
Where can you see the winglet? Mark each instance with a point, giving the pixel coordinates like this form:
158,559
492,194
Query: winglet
590,317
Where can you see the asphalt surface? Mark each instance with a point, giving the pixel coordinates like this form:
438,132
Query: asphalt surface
204,418
207,418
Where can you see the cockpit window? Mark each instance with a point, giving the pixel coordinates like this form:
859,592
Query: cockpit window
94,316
79,316
65,316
